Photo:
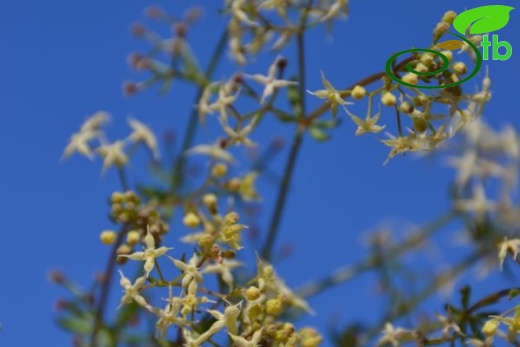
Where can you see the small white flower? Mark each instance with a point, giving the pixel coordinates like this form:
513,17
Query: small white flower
506,246
214,151
393,335
96,121
242,342
142,133
79,142
132,291
227,319
224,269
478,203
189,270
149,254
241,135
270,82
113,154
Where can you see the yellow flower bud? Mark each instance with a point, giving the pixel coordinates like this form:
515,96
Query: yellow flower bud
420,124
254,311
460,68
388,99
490,327
219,170
358,92
191,220
441,29
117,198
108,237
206,241
427,59
406,107
252,293
231,218
420,67
274,306
449,17
410,78
210,201
234,184
448,54
133,237
310,337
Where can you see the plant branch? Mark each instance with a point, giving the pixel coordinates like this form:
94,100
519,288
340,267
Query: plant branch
279,206
346,273
177,178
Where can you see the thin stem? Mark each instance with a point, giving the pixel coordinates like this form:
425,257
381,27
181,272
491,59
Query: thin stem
105,288
282,196
178,176
123,178
363,82
346,273
279,206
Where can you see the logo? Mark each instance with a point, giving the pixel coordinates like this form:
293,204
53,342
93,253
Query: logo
479,20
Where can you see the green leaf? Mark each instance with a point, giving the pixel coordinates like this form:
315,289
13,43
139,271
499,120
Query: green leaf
293,96
318,134
513,293
327,124
126,313
75,325
482,19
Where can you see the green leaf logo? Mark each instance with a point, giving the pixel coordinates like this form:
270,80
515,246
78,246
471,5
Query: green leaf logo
483,19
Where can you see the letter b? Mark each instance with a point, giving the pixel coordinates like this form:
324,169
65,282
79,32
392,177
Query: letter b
497,44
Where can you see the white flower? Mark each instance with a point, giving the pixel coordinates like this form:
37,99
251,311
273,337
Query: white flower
227,319
269,279
132,291
149,254
393,335
241,135
142,133
478,204
189,270
242,342
225,269
330,94
96,121
113,154
225,99
368,125
506,246
239,13
79,142
466,166
270,82
214,151
337,9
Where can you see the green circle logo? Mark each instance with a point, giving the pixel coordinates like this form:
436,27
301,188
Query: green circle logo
445,64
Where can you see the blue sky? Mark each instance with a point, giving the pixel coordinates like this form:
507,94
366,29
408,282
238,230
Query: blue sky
63,60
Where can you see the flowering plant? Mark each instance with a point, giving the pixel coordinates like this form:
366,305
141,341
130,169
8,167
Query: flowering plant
205,293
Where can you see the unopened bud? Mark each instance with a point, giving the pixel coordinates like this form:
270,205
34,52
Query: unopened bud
449,17
108,237
460,68
252,293
191,220
358,92
388,99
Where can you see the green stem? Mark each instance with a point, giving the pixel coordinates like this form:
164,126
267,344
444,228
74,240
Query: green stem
191,130
279,206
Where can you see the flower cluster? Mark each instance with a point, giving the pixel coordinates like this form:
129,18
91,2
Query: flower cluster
113,154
